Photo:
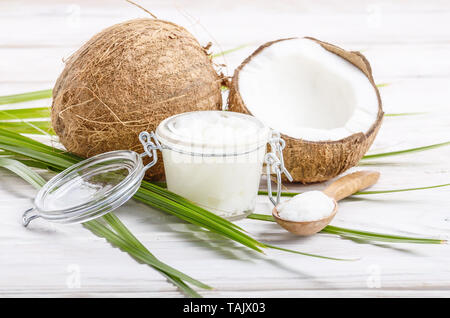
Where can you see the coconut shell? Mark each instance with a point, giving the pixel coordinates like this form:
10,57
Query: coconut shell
309,161
127,79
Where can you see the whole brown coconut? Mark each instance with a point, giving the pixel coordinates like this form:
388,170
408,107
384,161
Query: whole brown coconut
127,79
309,161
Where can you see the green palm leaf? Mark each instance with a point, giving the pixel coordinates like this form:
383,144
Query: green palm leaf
401,190
29,127
401,152
25,113
122,238
25,97
22,171
293,194
139,254
225,52
361,235
404,114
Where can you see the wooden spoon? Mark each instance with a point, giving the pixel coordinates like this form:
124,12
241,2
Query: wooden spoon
338,190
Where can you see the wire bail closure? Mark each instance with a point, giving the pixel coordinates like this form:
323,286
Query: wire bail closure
275,163
151,145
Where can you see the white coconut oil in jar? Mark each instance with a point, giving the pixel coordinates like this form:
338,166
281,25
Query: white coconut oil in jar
214,158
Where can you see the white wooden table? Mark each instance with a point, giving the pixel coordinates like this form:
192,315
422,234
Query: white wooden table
409,48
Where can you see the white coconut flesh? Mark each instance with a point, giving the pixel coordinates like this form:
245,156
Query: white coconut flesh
306,92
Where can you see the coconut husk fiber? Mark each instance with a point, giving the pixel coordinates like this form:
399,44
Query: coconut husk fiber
127,79
309,161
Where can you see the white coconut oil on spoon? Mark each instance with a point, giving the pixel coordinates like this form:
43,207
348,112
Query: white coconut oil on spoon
307,206
309,212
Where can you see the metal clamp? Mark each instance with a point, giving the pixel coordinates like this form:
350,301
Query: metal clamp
275,163
151,145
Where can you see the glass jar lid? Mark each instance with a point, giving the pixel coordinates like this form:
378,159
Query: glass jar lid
89,189
93,187
216,133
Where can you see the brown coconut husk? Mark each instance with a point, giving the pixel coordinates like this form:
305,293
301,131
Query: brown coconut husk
309,161
127,79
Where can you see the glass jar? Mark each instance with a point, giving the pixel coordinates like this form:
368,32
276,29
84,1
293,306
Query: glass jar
212,158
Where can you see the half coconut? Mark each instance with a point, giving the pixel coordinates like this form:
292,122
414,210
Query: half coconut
321,98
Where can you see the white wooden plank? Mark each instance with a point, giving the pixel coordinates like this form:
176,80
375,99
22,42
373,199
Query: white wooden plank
256,294
394,62
74,22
